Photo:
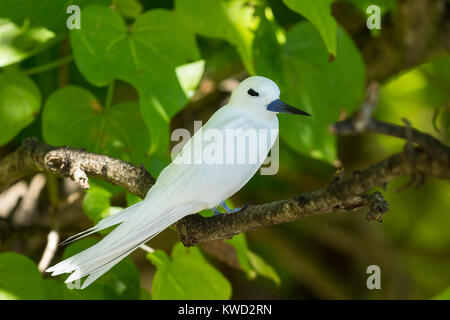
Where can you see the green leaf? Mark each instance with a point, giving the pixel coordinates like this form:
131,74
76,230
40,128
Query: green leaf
444,295
324,89
132,198
251,263
445,119
73,116
110,211
49,14
319,14
121,282
20,101
268,46
239,243
262,268
97,206
18,43
233,21
95,202
128,8
145,295
189,76
58,290
186,275
145,54
19,278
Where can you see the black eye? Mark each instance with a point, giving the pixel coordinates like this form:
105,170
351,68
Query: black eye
253,93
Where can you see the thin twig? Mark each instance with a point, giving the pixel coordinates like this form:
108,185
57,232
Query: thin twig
49,251
33,156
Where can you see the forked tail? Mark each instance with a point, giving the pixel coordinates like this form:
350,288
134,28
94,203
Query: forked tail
137,226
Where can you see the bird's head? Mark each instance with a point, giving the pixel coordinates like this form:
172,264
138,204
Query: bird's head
261,95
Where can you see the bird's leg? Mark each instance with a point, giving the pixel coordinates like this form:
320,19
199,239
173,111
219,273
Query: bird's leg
216,212
229,210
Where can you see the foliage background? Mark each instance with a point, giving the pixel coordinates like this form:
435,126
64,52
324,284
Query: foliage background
135,70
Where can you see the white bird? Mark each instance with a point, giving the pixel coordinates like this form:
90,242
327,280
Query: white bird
186,187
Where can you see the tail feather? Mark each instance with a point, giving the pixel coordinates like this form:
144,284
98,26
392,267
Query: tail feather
110,221
136,226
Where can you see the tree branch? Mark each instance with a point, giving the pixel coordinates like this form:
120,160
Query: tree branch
346,194
429,158
33,156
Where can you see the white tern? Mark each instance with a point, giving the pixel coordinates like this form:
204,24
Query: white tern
185,188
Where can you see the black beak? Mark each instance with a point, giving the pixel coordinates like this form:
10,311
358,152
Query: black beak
280,106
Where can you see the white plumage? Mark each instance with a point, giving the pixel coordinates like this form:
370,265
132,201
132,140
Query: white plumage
184,188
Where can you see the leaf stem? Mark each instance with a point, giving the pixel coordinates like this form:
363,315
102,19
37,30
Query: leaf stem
109,95
50,66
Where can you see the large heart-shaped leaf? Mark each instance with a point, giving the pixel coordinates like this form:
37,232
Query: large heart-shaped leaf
145,54
73,116
20,101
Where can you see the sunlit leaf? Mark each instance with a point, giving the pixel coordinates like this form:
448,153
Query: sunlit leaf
319,14
252,264
18,43
73,116
262,268
229,20
444,295
239,243
145,54
49,14
20,101
189,76
95,202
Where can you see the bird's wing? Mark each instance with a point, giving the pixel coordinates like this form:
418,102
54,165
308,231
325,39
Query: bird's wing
196,181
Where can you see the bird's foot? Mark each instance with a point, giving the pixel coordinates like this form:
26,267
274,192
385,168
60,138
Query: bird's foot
228,210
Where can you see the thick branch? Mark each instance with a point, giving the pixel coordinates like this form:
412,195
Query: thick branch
342,194
33,156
